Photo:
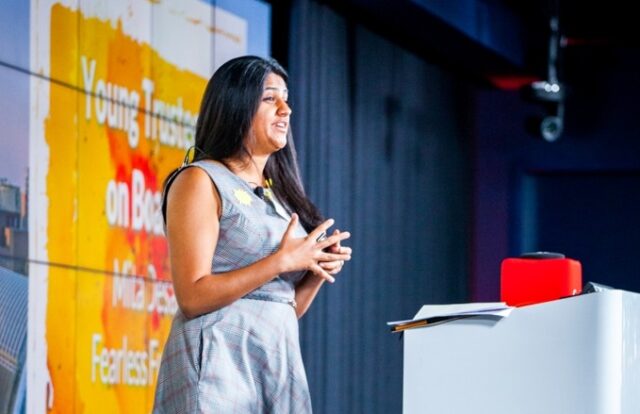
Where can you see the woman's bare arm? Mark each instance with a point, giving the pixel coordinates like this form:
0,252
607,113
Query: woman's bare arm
193,225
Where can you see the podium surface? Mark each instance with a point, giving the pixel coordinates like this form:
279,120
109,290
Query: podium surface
574,355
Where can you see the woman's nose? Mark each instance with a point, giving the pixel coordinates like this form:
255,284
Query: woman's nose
283,108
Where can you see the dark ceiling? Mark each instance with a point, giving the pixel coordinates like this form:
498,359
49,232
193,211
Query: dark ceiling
602,23
519,30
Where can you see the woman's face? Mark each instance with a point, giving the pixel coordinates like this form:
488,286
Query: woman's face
271,122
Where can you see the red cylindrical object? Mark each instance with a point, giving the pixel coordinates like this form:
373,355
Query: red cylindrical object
529,281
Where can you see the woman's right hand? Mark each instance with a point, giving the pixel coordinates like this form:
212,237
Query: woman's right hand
305,253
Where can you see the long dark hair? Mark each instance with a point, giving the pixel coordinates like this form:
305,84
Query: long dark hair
228,106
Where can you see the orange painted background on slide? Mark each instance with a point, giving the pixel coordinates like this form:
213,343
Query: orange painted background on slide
84,321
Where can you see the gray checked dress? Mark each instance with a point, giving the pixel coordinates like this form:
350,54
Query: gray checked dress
245,357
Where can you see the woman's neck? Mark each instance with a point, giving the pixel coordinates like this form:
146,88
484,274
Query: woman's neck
250,169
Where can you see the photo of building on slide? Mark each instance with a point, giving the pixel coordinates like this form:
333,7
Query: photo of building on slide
13,219
14,170
14,210
15,84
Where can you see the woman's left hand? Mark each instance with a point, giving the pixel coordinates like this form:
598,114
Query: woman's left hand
307,289
334,267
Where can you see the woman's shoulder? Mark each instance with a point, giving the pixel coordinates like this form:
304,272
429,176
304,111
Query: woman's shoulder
191,180
209,165
217,171
193,187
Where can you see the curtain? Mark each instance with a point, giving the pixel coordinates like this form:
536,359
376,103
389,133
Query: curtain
383,143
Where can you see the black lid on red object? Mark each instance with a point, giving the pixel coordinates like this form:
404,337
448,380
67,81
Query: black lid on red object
542,255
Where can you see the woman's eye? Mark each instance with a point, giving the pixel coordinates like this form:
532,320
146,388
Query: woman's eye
269,99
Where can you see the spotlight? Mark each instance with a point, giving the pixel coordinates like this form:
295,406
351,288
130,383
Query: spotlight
547,91
551,128
550,92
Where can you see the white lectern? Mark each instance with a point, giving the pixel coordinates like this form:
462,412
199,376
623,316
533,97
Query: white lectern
575,355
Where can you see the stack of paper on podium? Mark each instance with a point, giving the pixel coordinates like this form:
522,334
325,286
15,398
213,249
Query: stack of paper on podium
432,314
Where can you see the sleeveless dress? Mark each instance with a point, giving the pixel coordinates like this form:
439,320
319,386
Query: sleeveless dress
244,357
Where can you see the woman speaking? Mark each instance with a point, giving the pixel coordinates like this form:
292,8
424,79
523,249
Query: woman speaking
248,250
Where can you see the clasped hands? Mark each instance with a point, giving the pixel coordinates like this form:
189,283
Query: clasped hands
322,256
